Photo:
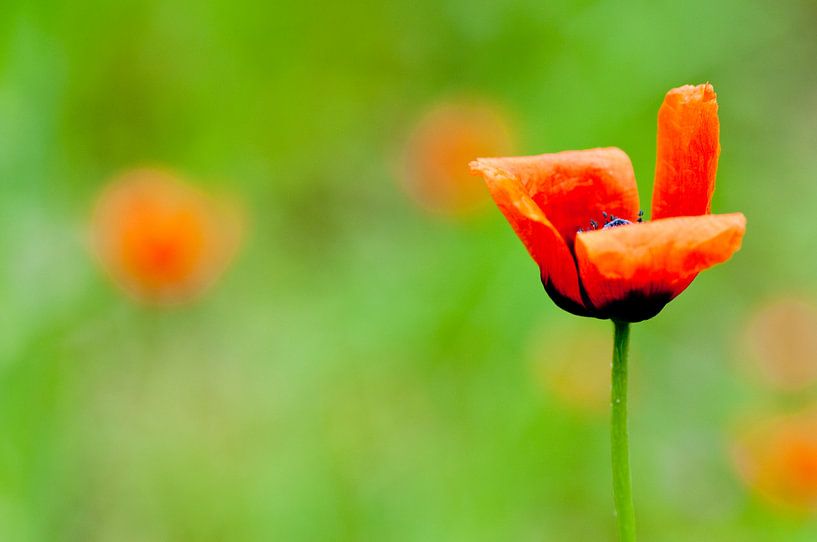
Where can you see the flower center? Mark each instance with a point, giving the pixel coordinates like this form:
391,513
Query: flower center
615,222
612,221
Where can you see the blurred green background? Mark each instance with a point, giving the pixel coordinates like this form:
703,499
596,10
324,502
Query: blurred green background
363,371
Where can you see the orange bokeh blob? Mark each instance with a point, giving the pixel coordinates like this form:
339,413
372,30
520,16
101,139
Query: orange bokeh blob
573,367
160,239
780,340
435,166
778,459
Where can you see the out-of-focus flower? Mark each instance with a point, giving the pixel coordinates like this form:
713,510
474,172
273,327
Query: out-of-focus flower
781,341
777,458
160,239
571,366
621,268
446,138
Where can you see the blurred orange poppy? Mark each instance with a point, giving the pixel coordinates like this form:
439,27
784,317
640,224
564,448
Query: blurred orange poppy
577,213
780,340
566,363
435,171
160,239
778,459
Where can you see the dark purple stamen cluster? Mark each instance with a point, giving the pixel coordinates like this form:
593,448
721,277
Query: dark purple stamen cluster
616,222
612,221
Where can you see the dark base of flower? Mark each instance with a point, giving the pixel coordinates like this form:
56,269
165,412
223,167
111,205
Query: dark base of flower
636,307
565,303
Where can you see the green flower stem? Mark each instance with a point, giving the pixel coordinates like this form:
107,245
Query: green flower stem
622,485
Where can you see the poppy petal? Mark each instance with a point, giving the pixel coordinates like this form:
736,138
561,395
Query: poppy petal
687,152
573,188
540,237
630,272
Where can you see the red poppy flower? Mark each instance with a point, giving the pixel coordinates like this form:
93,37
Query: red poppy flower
577,213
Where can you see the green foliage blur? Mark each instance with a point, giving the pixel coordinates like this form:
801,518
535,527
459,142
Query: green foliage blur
363,370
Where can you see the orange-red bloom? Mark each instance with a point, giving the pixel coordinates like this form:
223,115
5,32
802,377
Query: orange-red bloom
160,239
577,213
